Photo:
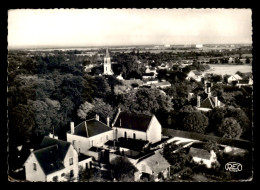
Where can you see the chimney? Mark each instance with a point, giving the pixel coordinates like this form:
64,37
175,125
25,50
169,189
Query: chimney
97,117
107,121
209,93
198,101
216,101
72,127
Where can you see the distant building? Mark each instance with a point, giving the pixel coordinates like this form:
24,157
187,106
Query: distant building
210,102
232,78
137,126
164,84
202,156
195,75
52,162
107,65
199,46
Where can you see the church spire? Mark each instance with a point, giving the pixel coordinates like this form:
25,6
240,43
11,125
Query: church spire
107,54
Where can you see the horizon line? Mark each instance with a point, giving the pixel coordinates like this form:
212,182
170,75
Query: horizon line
95,46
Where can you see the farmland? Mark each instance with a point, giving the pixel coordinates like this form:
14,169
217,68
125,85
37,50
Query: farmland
228,69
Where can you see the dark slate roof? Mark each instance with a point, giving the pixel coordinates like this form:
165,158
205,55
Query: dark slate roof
139,122
93,127
207,103
148,74
200,153
51,154
48,159
63,146
210,103
243,81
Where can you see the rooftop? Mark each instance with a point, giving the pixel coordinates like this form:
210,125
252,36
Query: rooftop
139,122
200,153
156,162
91,128
51,154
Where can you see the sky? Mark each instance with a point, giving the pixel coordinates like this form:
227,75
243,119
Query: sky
105,27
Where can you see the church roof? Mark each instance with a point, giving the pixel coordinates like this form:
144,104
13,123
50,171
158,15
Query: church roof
210,103
91,128
139,122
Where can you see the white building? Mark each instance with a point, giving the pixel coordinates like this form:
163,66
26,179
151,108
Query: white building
137,126
199,46
88,134
202,156
52,162
154,165
107,65
195,75
232,78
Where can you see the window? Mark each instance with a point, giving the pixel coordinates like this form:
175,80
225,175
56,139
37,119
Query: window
55,178
125,135
34,167
134,135
71,161
63,174
71,173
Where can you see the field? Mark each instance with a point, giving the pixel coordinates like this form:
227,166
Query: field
228,69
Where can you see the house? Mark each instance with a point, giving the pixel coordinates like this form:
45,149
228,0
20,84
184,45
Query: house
163,66
195,75
202,156
245,82
231,78
150,69
88,134
163,84
153,166
137,126
231,60
52,162
119,77
208,103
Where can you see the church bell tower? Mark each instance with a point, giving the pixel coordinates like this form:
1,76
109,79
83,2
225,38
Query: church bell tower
107,64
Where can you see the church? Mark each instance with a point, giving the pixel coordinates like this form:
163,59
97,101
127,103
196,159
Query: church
107,65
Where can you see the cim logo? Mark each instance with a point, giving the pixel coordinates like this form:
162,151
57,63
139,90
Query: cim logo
233,167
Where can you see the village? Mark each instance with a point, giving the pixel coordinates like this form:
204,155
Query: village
136,145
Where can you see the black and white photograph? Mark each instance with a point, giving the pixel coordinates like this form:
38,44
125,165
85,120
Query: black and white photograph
130,95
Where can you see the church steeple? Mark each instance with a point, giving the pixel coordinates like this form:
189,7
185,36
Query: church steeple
107,64
107,54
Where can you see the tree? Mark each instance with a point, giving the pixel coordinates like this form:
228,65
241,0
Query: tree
21,121
176,156
123,169
147,101
85,175
229,128
84,109
102,109
195,122
211,145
